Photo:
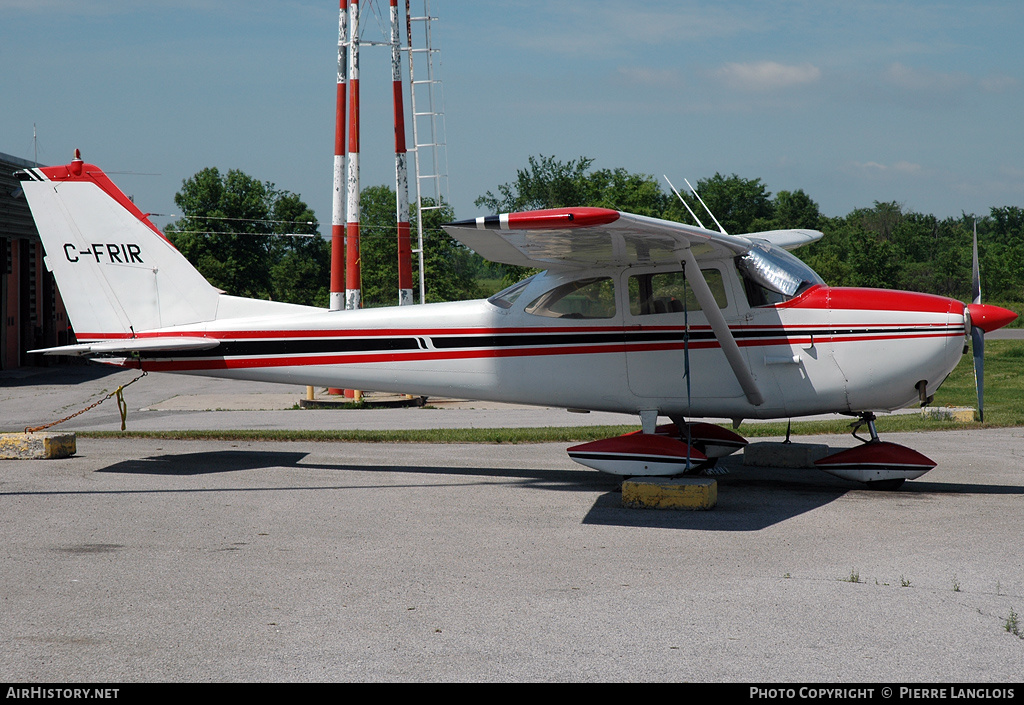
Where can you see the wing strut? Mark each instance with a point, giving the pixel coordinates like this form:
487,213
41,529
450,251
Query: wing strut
721,329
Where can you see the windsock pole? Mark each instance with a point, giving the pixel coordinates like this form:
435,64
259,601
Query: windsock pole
401,167
337,301
353,279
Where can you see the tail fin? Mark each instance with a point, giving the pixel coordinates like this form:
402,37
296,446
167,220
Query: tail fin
116,272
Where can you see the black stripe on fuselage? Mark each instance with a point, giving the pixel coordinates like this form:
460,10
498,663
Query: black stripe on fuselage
295,346
506,341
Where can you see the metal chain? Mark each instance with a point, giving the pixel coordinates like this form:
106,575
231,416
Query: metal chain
121,405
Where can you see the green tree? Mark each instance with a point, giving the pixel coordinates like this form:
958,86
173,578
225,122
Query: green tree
545,183
795,209
625,191
378,246
250,239
449,266
550,183
740,205
883,219
1001,253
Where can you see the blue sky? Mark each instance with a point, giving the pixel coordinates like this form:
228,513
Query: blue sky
914,102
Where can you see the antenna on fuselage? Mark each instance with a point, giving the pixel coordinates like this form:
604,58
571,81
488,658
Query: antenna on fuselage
720,228
679,196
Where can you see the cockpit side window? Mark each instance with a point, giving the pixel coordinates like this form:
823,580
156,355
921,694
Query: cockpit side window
669,292
584,298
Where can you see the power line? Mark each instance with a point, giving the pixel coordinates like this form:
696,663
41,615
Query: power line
240,220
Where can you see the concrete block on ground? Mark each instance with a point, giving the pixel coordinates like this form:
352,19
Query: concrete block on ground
784,455
41,445
692,493
962,414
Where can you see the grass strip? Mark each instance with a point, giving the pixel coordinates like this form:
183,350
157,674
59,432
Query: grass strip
552,434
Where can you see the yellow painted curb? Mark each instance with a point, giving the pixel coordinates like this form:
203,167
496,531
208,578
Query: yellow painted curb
694,493
41,446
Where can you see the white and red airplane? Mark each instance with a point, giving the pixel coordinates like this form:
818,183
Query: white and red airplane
632,314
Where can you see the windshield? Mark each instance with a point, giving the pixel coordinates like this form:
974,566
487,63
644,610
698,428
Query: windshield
772,275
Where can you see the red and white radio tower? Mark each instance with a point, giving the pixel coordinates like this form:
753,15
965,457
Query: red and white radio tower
353,277
345,242
337,301
401,167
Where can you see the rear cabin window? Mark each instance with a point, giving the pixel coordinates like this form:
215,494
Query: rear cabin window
584,298
669,292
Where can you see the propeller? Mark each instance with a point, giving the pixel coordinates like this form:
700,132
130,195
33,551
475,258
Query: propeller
983,319
977,334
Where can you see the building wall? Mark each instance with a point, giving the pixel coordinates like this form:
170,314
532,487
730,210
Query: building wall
33,314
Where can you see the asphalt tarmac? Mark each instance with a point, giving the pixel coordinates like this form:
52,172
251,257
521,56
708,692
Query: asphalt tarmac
179,561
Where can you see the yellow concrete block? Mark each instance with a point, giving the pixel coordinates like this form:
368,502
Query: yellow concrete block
961,414
662,493
42,445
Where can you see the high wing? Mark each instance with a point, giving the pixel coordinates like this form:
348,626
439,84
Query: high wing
587,237
600,237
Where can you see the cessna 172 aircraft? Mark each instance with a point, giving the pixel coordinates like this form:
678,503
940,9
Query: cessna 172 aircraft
631,314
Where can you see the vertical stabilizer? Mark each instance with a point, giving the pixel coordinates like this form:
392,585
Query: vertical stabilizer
116,272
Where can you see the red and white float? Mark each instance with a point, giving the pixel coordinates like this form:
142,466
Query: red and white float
877,463
638,454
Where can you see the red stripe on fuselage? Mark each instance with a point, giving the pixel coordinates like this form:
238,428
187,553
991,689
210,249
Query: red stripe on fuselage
469,353
362,358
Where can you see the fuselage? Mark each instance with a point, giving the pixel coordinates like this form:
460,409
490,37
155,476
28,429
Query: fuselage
620,340
636,315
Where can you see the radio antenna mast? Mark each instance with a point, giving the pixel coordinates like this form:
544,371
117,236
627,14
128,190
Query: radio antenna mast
680,197
720,228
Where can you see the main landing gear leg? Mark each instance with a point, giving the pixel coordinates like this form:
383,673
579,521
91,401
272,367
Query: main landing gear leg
869,419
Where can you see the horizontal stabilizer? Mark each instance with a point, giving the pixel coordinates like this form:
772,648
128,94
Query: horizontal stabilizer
127,346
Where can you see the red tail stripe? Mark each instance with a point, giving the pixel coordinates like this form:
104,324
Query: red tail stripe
80,171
